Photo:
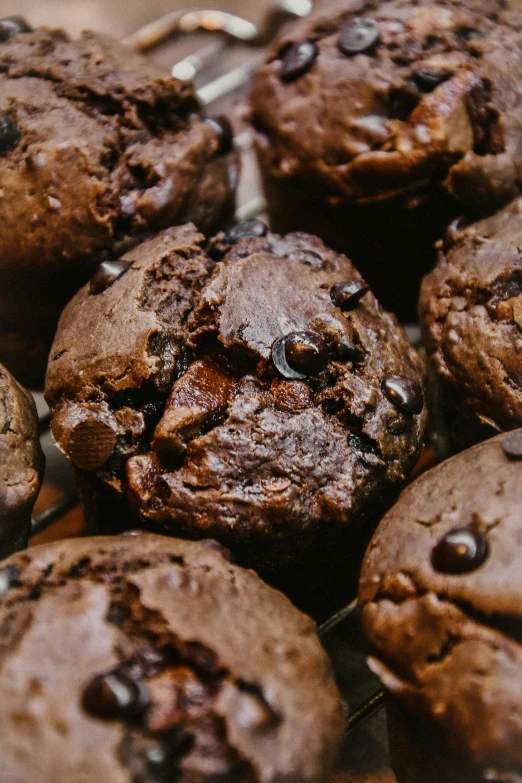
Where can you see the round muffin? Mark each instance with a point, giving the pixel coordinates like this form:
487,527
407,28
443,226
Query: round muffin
376,124
442,610
146,659
21,463
471,313
250,389
98,148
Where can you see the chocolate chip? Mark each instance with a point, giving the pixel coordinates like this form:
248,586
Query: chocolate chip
347,295
427,80
107,274
358,35
250,228
91,443
114,696
512,445
297,60
460,551
10,134
345,351
9,576
404,393
300,354
223,130
13,25
454,232
307,257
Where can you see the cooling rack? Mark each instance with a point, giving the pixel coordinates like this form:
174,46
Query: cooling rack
220,51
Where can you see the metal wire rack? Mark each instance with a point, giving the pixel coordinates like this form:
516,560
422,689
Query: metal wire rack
230,31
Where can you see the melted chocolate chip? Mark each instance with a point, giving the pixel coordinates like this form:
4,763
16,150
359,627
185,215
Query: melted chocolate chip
300,354
358,35
512,445
453,232
251,228
345,351
114,696
347,295
223,130
107,274
404,393
427,80
9,576
10,134
13,25
297,60
460,551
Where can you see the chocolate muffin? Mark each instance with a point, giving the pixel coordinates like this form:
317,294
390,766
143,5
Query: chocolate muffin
250,389
98,148
147,659
376,124
442,610
471,311
21,463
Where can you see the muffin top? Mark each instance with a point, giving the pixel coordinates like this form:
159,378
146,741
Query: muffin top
374,101
97,146
442,608
258,394
21,461
138,659
471,312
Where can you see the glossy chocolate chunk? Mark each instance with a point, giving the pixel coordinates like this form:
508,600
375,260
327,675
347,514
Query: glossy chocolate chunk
345,351
107,274
297,60
460,551
250,228
347,295
512,445
10,134
280,362
404,393
114,696
427,80
91,443
300,354
358,35
13,25
223,130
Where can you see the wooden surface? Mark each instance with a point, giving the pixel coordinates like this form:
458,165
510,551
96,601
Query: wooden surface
365,755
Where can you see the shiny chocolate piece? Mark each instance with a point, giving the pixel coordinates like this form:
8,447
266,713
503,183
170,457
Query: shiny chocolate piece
299,355
347,295
114,696
10,134
107,274
13,25
460,551
404,393
358,35
512,445
223,130
345,351
250,228
297,60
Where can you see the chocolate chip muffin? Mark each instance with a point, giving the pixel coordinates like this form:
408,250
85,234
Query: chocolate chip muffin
21,463
471,311
147,659
376,124
250,389
98,148
442,609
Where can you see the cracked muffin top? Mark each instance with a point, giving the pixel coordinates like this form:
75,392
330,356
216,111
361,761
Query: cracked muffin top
21,463
249,387
368,103
98,148
471,313
124,661
442,608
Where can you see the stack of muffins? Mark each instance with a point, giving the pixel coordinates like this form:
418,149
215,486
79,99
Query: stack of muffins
233,398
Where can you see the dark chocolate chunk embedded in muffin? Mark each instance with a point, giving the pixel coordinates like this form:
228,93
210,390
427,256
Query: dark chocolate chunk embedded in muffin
440,599
125,660
471,313
226,384
98,149
409,117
